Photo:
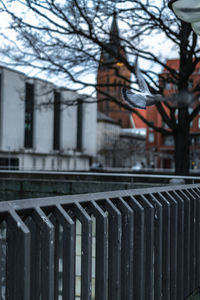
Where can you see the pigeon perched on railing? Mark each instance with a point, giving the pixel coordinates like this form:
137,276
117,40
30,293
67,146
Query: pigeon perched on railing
146,98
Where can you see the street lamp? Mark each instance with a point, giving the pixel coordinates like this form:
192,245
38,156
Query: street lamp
188,11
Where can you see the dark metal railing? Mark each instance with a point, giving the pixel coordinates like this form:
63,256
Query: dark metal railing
135,244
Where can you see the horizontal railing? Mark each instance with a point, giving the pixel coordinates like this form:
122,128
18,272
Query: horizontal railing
135,244
97,176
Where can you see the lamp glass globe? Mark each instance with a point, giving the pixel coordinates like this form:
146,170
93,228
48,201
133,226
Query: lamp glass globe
187,10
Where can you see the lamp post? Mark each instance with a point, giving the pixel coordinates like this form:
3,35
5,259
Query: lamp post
188,11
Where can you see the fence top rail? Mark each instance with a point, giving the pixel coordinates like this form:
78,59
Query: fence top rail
82,175
25,204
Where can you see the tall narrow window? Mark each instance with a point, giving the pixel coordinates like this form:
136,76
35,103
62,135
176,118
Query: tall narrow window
79,124
29,108
56,129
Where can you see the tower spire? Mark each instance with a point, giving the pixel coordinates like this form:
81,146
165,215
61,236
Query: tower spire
114,31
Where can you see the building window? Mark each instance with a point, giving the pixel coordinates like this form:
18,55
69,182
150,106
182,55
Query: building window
169,140
8,163
198,122
79,124
151,137
190,84
29,109
152,123
167,86
56,126
164,125
197,141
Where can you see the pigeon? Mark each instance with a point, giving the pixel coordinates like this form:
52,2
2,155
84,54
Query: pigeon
145,98
140,99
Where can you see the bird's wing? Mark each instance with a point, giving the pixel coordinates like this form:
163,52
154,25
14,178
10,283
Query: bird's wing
141,82
134,100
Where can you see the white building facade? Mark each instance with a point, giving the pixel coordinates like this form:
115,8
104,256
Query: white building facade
40,129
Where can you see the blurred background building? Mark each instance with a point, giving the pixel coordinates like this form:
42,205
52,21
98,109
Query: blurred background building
111,76
39,130
120,134
119,147
45,127
160,148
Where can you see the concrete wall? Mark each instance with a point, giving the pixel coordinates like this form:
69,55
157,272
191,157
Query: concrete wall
14,189
19,185
12,110
89,127
107,134
69,122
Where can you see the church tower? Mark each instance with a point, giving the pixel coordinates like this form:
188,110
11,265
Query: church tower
111,76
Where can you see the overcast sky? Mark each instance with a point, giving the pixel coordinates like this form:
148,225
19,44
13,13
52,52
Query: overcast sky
158,44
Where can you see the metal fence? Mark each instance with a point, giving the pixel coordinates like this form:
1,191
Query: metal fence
135,244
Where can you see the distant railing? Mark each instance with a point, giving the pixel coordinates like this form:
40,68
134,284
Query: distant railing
135,244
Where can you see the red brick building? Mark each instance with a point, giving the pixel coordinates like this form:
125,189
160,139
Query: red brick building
111,74
160,148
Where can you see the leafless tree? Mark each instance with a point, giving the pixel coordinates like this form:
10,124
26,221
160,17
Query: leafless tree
64,38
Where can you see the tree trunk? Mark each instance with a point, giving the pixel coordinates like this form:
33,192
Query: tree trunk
182,144
182,131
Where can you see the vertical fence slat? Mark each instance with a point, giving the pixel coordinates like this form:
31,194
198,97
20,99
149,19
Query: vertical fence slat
101,271
165,246
56,256
196,194
138,248
158,228
187,225
173,244
180,245
18,262
127,248
149,245
47,253
10,260
114,251
86,249
198,240
2,265
192,239
35,261
68,274
35,287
